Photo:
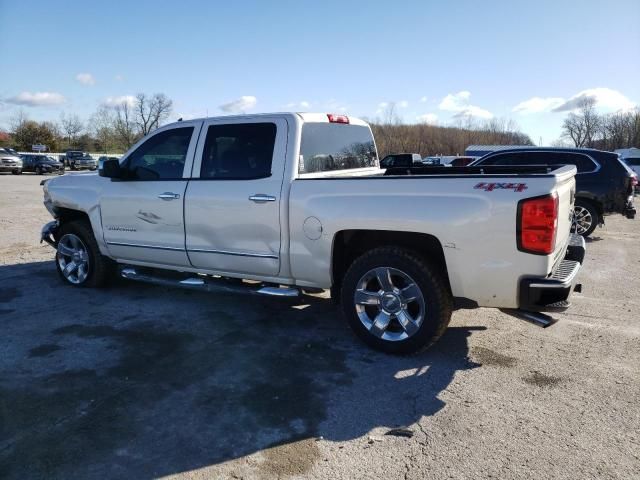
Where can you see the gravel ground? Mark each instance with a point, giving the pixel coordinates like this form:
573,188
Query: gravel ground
139,381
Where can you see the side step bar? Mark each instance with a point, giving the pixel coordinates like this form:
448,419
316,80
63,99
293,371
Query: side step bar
537,318
205,285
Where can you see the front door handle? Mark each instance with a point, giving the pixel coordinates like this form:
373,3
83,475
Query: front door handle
169,196
262,198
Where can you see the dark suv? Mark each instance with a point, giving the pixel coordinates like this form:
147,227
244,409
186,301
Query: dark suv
400,160
41,164
604,184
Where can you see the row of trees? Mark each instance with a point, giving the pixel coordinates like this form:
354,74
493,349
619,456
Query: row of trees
587,128
109,129
392,136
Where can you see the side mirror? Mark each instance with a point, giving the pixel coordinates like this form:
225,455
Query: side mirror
110,168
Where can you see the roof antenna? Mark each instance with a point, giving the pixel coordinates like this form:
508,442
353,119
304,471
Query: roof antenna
180,119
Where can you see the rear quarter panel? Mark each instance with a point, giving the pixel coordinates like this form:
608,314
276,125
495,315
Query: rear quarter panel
476,227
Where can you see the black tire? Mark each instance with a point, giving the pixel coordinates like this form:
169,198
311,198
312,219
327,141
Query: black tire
588,209
72,165
38,171
438,304
16,172
100,268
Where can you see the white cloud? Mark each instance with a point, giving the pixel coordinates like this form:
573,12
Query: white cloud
242,104
538,104
37,99
605,98
423,100
86,79
430,118
382,106
459,103
113,102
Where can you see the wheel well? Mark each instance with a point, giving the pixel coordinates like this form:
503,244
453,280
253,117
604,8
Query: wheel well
65,215
350,244
592,201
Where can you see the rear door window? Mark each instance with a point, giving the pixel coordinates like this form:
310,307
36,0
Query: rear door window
238,151
330,146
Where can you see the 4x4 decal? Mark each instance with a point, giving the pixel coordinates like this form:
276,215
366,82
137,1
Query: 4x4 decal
490,187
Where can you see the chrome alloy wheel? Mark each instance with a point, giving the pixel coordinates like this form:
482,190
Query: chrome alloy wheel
389,304
582,219
73,258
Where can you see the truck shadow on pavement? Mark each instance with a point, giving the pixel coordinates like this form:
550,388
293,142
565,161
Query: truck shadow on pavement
140,381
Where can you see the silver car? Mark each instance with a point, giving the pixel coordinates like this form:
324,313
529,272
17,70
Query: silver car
10,162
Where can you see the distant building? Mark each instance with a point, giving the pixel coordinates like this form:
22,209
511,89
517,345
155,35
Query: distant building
482,150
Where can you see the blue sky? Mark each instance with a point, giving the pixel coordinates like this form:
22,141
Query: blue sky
437,61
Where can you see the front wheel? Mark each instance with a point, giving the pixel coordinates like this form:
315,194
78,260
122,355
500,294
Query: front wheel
395,301
78,258
38,171
585,218
17,172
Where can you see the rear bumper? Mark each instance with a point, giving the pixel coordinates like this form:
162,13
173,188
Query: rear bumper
551,294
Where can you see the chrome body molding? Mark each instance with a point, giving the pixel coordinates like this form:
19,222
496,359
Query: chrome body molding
195,250
237,254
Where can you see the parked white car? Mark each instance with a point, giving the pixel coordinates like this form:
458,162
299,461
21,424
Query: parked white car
10,162
298,201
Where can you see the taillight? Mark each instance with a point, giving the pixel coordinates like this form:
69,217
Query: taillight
537,224
634,180
337,118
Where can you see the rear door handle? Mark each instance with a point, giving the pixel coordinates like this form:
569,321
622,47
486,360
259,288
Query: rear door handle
262,198
169,196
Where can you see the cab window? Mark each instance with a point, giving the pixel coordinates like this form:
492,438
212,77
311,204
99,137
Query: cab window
238,151
161,157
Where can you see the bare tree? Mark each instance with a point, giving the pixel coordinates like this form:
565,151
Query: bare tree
71,126
103,127
18,120
583,126
151,111
124,125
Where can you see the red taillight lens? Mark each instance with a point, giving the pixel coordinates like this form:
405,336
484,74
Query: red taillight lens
337,118
537,224
634,180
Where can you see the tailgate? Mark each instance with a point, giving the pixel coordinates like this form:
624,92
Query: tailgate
565,190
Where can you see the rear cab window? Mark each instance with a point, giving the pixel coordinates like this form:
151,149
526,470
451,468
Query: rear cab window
336,147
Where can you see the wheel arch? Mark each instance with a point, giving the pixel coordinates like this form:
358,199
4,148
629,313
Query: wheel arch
591,199
350,244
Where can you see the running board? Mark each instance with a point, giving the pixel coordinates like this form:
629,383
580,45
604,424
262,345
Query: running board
537,318
211,286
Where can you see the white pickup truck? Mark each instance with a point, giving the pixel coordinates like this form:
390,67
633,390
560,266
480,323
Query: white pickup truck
297,202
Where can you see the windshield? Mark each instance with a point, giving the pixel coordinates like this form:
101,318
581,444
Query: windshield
74,154
634,161
331,146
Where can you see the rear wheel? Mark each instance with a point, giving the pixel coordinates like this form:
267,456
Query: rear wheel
78,258
395,301
38,171
17,171
586,218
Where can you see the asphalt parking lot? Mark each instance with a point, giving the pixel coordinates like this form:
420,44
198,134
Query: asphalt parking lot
139,381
